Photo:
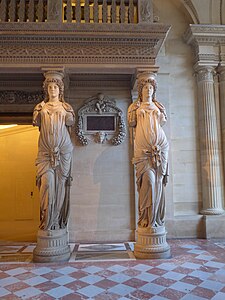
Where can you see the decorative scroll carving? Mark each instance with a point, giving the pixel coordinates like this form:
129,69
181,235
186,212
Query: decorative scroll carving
146,11
20,97
100,106
54,10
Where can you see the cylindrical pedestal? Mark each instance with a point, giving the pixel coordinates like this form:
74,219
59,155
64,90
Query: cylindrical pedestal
151,243
52,246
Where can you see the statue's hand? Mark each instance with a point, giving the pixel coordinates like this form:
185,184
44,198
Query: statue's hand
165,180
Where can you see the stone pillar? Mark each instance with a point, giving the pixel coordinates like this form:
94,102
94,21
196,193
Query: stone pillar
222,105
210,144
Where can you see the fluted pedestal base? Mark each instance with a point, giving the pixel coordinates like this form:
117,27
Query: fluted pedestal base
212,211
52,246
151,243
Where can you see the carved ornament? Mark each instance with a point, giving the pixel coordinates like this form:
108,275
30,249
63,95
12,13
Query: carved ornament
46,43
20,97
100,106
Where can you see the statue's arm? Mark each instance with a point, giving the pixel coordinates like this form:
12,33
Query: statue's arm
163,118
70,119
162,109
132,114
70,116
36,114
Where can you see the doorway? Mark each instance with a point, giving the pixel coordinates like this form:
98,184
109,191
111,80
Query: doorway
19,202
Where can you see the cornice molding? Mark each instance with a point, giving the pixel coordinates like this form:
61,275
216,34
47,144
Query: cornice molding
206,41
207,34
48,43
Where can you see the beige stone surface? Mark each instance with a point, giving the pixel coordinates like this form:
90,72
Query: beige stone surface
103,189
102,192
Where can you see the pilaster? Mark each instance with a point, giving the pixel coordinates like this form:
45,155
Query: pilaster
210,144
221,71
207,42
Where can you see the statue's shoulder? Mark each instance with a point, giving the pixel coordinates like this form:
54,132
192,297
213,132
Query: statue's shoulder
67,107
134,106
160,106
39,106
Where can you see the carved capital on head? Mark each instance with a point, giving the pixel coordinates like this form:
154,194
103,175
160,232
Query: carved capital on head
205,73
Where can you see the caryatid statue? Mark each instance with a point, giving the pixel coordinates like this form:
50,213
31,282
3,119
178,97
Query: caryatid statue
54,117
147,116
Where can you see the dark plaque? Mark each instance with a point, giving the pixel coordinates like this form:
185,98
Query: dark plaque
104,123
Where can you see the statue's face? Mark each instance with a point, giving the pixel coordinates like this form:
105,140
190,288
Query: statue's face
53,90
147,92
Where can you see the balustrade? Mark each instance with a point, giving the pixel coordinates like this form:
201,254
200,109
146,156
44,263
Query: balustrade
23,10
100,11
73,11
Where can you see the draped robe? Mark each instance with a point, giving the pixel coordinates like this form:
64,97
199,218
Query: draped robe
53,162
150,160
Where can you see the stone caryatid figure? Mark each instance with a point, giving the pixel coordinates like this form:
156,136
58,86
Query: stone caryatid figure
147,116
54,117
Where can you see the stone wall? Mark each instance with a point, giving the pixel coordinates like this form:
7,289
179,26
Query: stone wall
102,193
177,90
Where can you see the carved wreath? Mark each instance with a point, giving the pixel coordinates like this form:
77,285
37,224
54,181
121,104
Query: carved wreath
101,105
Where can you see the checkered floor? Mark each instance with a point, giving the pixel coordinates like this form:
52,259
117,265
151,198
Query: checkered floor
196,271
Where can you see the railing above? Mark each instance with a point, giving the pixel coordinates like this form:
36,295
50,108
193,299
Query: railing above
23,10
76,11
100,11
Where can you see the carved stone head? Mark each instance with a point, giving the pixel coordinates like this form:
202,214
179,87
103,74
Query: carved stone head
56,77
143,78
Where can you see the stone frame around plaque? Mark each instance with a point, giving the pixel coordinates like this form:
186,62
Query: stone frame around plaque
100,107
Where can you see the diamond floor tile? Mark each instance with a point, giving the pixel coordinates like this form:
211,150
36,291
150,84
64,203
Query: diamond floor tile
196,271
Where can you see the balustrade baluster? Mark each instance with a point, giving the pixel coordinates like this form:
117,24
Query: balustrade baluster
12,11
31,11
78,11
21,12
122,11
3,11
131,11
126,11
69,11
40,11
109,12
113,11
86,11
95,11
104,11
